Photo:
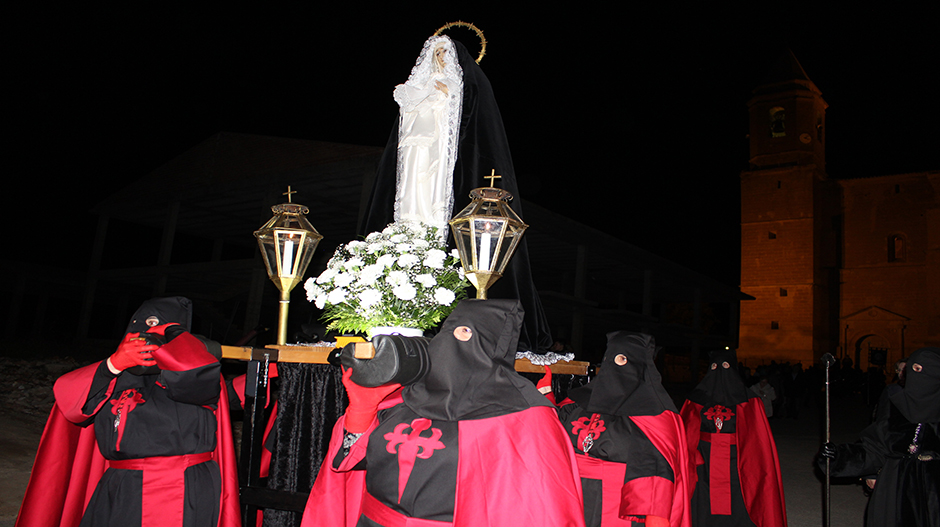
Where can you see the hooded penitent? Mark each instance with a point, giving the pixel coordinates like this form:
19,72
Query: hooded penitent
632,388
165,436
470,146
474,379
722,383
628,439
727,430
470,443
919,401
901,450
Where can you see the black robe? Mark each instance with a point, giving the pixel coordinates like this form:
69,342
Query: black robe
145,416
482,147
903,448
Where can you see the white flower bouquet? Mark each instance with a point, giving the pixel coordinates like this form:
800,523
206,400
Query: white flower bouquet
401,276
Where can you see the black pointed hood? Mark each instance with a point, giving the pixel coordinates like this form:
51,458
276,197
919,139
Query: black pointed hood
919,400
474,379
631,388
721,385
156,312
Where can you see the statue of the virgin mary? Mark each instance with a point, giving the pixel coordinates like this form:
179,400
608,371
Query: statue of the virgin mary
449,135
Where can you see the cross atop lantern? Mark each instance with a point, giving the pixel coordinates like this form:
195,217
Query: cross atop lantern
487,233
287,243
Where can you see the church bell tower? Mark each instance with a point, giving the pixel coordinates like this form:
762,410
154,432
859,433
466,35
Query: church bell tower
790,223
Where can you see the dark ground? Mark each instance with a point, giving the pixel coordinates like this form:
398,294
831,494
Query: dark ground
26,398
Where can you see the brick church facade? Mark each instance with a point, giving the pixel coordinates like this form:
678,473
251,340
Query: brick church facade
849,266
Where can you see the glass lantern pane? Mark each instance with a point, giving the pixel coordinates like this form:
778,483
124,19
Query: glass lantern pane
289,244
462,238
487,233
510,242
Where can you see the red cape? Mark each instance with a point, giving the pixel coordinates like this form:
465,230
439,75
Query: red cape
68,466
525,475
758,465
665,431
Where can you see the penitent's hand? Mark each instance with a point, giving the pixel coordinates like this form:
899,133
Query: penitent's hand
363,403
132,351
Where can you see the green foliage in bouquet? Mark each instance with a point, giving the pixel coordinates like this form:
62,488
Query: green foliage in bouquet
401,276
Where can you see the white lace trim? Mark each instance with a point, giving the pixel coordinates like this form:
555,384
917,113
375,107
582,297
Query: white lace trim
546,359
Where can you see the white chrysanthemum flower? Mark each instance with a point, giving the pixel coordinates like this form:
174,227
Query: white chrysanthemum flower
405,291
420,243
435,259
336,296
403,247
444,296
371,273
320,302
353,262
454,253
460,273
426,280
375,247
396,278
407,260
356,245
312,289
343,279
398,238
326,276
390,230
372,236
370,297
386,260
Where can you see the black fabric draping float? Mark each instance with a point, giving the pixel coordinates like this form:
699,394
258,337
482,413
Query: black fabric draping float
311,399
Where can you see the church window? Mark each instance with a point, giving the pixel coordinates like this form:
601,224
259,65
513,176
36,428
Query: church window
819,129
778,183
897,248
783,292
774,324
772,235
897,189
778,124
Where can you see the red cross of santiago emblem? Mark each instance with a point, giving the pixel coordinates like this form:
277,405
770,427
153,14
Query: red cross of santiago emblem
411,446
719,414
588,430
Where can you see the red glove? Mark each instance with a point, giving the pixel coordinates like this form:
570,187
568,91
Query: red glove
363,403
132,351
545,381
161,329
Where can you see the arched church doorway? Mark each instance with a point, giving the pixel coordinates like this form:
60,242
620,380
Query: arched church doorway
871,350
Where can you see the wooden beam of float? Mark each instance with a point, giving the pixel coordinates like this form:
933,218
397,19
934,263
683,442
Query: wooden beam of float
365,350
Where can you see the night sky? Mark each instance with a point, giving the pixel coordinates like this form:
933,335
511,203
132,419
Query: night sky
633,121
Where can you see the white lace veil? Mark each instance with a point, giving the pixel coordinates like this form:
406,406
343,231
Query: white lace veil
421,74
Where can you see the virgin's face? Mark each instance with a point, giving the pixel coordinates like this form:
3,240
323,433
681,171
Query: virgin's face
439,55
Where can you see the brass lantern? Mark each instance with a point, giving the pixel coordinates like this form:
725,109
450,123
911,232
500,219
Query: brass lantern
487,233
287,243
